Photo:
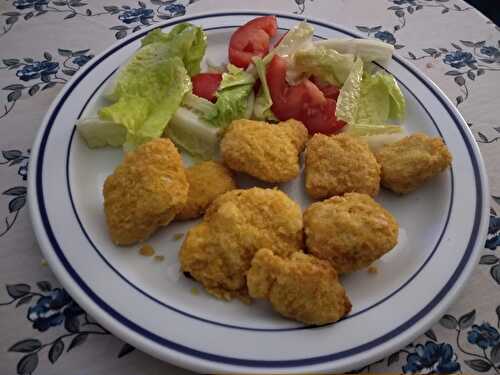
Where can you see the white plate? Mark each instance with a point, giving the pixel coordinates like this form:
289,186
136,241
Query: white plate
150,304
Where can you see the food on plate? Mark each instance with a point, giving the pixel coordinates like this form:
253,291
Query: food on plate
411,161
218,251
147,250
205,85
303,101
207,180
148,89
330,86
351,231
300,287
265,151
340,164
251,39
146,191
272,100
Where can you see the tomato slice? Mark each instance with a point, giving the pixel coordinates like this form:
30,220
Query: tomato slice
251,39
205,85
330,91
304,102
322,119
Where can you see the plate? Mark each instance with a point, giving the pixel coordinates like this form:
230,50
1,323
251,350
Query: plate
153,306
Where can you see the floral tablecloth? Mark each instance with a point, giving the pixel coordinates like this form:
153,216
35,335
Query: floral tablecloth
44,42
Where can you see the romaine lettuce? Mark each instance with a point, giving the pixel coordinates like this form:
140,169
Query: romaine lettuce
348,100
193,134
367,49
148,91
99,133
263,101
324,63
232,97
185,40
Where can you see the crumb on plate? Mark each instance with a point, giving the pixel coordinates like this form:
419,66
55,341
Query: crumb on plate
147,250
177,236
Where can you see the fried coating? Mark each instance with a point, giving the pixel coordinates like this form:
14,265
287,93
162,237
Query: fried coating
218,251
145,192
265,151
207,180
412,161
351,231
301,287
340,164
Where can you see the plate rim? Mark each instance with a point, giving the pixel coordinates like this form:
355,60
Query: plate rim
122,330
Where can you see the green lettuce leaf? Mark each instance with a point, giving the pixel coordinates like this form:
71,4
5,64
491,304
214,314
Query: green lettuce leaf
148,91
263,101
99,133
298,37
193,134
372,129
348,100
324,63
198,104
232,97
370,100
367,49
381,99
185,40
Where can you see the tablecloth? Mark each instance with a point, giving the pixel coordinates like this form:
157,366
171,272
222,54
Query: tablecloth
44,42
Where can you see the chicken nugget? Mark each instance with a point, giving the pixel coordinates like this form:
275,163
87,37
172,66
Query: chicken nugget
265,151
340,164
351,231
218,251
300,287
145,192
412,161
207,180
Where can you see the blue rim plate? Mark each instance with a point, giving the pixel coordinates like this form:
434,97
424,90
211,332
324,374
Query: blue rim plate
150,305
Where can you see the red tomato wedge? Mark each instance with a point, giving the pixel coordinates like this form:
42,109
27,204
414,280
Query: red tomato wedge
205,85
304,102
330,91
251,39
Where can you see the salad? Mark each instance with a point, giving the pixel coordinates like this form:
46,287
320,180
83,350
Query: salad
331,86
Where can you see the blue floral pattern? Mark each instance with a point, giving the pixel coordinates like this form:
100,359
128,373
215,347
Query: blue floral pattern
16,194
141,15
469,61
27,4
53,307
133,19
41,74
37,69
383,35
432,357
403,8
484,336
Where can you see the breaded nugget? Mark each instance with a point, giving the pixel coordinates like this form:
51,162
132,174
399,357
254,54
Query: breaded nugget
218,251
265,151
300,287
350,231
207,180
410,162
145,192
340,164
